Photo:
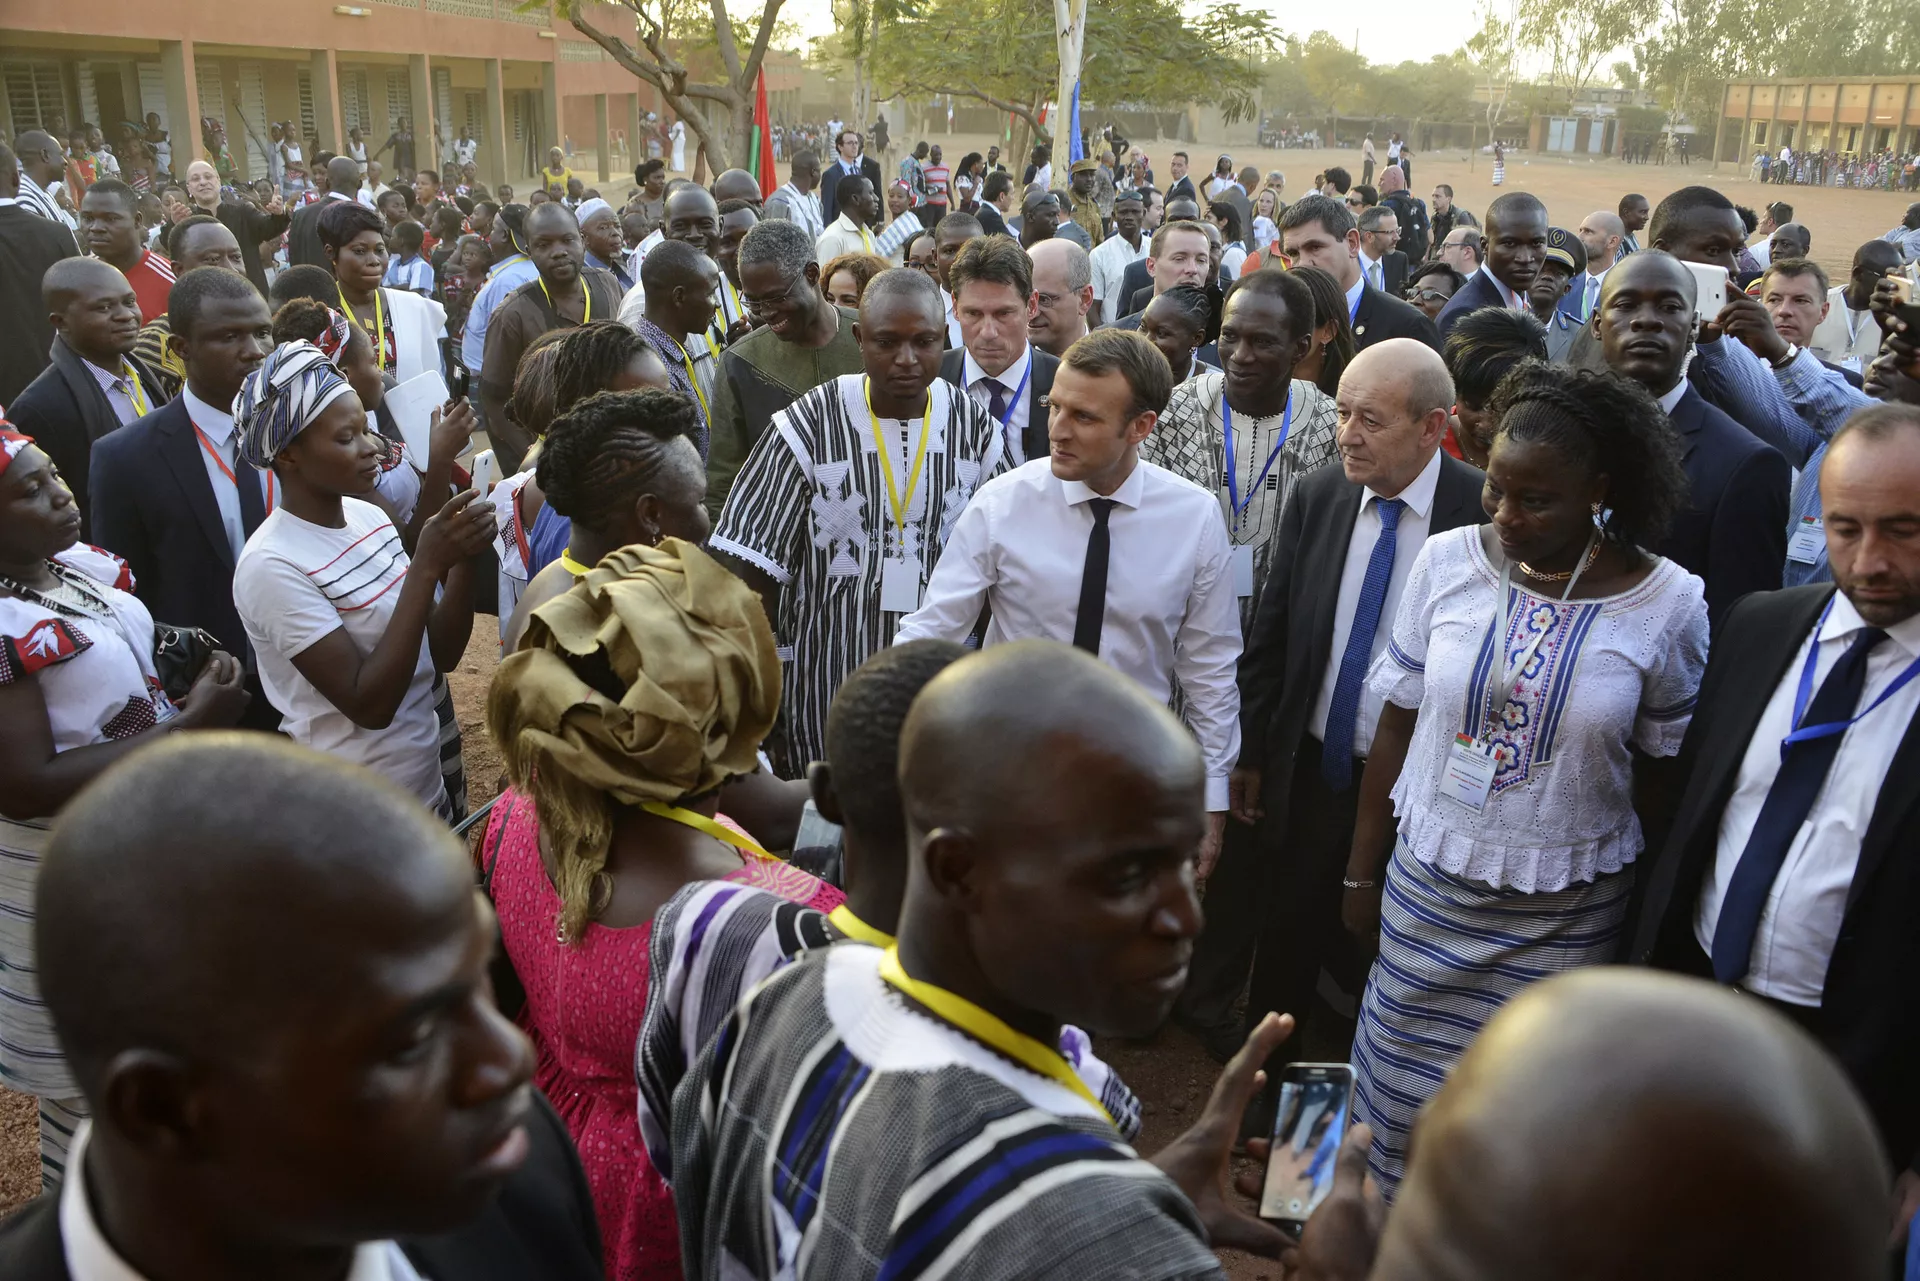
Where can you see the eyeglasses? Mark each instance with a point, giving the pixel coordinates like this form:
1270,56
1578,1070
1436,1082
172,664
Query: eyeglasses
1355,201
1050,301
1428,295
758,305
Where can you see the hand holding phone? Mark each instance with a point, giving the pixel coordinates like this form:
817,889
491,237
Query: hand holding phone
1309,1125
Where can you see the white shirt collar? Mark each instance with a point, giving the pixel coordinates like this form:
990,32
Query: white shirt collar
105,377
1128,495
1010,376
1353,294
1673,395
1367,261
91,1257
1418,495
1513,300
217,423
1844,620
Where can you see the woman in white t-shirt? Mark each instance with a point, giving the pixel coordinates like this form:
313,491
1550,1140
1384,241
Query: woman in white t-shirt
348,633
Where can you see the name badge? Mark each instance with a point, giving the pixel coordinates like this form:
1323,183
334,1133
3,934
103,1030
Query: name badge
1468,775
1242,562
899,585
1807,541
1853,365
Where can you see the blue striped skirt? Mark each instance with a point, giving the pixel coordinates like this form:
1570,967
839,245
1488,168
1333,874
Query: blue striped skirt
1452,951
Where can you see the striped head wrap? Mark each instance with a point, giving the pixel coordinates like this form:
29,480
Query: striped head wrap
279,400
11,443
333,340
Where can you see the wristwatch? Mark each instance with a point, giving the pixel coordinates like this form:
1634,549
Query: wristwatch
1793,353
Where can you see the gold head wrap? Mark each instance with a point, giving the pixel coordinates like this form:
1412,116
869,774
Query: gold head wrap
654,679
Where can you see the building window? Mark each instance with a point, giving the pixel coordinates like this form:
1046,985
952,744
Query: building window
399,98
33,93
308,127
355,113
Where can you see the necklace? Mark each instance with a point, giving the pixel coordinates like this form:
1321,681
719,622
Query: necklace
73,596
1531,572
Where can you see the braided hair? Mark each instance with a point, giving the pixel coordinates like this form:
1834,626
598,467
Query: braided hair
588,358
530,405
610,450
1329,307
1601,422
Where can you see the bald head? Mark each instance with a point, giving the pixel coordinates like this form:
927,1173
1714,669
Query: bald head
343,175
736,184
72,278
1393,403
1051,876
1392,179
40,157
1623,1124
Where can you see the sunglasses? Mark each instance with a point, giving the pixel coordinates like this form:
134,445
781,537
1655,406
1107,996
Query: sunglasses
1428,295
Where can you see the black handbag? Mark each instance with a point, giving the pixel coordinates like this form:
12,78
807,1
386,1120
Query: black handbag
180,654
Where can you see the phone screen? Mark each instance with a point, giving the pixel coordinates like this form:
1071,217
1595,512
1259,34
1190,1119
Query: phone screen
1308,1127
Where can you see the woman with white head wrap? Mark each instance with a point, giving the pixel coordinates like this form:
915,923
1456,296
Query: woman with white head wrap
348,633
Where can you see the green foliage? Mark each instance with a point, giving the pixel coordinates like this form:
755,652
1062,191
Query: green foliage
1319,77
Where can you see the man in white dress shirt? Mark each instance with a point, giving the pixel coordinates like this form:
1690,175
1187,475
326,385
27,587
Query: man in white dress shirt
1111,258
1790,870
1849,336
1093,546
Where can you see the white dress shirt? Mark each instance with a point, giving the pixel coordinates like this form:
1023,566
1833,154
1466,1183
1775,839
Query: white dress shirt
91,1257
113,383
1015,426
1110,260
1808,901
1590,286
1357,288
1373,271
217,426
1021,547
1408,537
1846,337
1673,395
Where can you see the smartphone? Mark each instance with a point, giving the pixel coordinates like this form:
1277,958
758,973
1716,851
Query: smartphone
486,470
1902,288
1310,1123
458,383
1710,292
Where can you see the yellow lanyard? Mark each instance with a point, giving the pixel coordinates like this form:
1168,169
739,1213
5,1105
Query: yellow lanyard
988,1029
856,929
572,566
585,292
133,386
866,240
701,823
379,325
686,358
895,498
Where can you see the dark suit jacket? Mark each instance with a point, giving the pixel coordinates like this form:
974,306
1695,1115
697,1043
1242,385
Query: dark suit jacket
831,174
1478,292
65,411
1733,531
991,220
1291,640
1132,281
303,235
29,244
1039,387
1381,316
1393,274
1869,1015
153,506
250,226
540,1228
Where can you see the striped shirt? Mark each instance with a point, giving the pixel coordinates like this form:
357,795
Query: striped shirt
43,202
811,510
152,281
830,1131
414,274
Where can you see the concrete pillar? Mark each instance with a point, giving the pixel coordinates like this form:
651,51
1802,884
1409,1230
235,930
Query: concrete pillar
493,129
603,139
183,103
324,73
549,111
426,142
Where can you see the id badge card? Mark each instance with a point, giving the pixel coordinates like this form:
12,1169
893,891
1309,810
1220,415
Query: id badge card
1808,538
1467,776
1242,563
899,585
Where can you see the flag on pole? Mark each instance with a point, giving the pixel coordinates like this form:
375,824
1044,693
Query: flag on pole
760,148
1076,149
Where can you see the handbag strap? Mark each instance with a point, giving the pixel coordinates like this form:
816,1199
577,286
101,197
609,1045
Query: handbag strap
493,846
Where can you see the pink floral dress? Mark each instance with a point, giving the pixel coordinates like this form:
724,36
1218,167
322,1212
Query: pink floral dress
584,1008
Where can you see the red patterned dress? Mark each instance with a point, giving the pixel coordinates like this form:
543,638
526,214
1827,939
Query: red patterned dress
584,1007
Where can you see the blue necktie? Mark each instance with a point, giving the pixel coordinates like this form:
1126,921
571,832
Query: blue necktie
1336,759
1788,802
997,394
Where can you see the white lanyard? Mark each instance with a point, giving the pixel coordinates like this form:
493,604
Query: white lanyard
1503,620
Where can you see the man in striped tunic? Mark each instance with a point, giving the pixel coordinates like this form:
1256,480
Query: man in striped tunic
901,1112
843,506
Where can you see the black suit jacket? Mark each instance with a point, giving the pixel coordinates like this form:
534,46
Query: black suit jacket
303,234
1733,531
1393,274
1291,640
250,226
1478,292
991,221
65,411
153,506
831,174
1381,316
540,1228
29,244
1869,1015
1039,387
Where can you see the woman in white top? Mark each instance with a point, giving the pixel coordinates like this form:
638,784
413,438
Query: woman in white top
406,328
348,633
78,692
1502,773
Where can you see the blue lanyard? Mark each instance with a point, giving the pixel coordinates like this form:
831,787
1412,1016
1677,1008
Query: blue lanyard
1801,696
1013,401
1353,312
1233,488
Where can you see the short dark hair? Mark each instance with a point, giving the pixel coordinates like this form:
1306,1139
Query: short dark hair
119,191
997,182
734,206
1681,203
1342,180
172,237
1165,229
1601,422
1125,352
1628,199
307,281
1329,308
863,733
1485,346
1192,302
1446,187
1325,210
587,359
994,260
1294,294
846,187
1877,422
342,220
191,293
1780,211
409,236
1438,268
645,169
1795,267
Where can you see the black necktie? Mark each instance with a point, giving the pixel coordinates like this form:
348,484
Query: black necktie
246,483
1093,581
1788,803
